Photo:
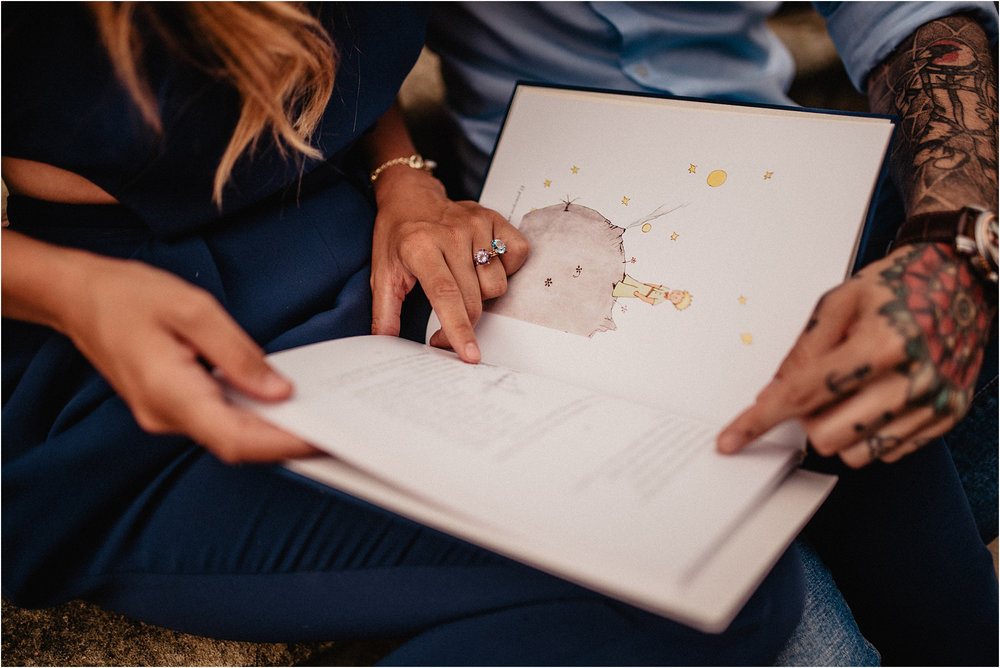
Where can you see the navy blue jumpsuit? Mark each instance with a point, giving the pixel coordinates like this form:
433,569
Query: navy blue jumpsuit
156,527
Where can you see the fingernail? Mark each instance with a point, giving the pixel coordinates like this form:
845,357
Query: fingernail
472,353
729,442
275,384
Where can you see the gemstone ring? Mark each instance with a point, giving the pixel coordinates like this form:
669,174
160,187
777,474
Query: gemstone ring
483,255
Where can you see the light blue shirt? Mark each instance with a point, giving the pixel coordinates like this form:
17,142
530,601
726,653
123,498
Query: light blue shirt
721,50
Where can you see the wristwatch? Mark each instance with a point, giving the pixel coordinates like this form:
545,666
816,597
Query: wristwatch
972,231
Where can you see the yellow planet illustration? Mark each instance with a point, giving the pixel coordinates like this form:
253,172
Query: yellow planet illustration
716,178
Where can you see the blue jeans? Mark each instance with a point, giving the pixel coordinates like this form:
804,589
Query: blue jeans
827,634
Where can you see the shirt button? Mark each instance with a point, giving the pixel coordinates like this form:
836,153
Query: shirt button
642,70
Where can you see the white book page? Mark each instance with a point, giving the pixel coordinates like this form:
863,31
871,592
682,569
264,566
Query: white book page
707,600
526,454
752,212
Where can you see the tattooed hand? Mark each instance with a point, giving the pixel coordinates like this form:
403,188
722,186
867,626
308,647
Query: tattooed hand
887,362
890,358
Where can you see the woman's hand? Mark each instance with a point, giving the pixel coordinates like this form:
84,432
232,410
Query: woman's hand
421,235
154,337
888,361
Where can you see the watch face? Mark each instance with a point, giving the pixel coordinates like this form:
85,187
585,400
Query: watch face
986,238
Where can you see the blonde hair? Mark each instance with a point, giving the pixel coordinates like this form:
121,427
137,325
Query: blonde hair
684,302
277,56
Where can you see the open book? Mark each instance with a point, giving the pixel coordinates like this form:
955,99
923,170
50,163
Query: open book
678,247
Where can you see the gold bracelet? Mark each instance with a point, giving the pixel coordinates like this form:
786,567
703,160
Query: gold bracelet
416,161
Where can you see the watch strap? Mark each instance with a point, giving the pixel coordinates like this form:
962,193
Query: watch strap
937,226
971,231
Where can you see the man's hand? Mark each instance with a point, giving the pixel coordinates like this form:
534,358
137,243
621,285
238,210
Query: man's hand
890,358
887,362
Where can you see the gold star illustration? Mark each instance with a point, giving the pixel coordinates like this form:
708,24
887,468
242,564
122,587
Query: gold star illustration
742,299
692,168
547,183
746,338
574,169
625,200
768,175
673,237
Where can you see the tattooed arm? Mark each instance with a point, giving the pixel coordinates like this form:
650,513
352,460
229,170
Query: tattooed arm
889,359
942,85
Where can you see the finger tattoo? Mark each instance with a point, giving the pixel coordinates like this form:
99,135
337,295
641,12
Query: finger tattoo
814,318
878,423
841,385
879,446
